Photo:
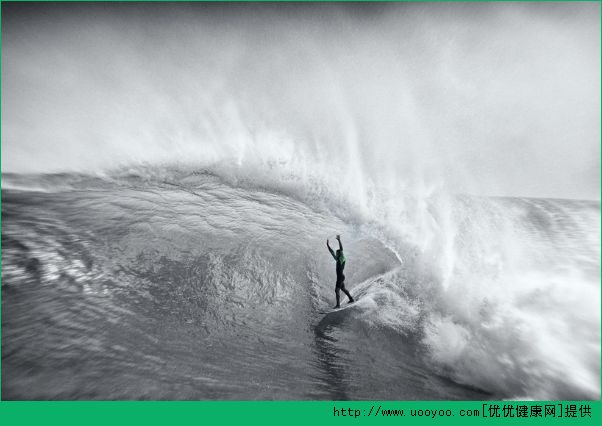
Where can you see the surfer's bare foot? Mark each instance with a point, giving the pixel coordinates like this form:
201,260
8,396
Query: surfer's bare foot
336,307
351,300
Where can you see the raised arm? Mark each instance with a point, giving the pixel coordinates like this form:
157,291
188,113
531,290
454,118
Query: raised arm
340,244
329,249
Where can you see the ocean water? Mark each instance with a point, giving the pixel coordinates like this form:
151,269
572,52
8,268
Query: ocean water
171,284
171,172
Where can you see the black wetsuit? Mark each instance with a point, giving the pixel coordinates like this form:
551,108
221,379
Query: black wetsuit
340,285
340,275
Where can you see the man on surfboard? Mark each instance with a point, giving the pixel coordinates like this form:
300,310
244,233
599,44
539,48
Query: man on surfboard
339,257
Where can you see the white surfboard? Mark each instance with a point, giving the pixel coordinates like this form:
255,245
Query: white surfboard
342,308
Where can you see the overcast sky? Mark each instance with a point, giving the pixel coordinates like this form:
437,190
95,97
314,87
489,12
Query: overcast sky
501,99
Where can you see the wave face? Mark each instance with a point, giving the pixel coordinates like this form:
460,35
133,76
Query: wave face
163,283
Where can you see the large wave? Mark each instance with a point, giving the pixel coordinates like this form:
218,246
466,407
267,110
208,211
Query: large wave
499,295
187,162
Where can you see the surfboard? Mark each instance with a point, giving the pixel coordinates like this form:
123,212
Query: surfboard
342,308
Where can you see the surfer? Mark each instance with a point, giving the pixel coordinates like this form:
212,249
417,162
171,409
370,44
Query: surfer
339,257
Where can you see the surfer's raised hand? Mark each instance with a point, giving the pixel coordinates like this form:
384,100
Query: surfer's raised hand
338,237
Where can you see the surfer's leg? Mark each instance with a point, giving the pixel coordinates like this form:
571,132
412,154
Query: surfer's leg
347,293
336,291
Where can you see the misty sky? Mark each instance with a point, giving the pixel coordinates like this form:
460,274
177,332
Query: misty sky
499,99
